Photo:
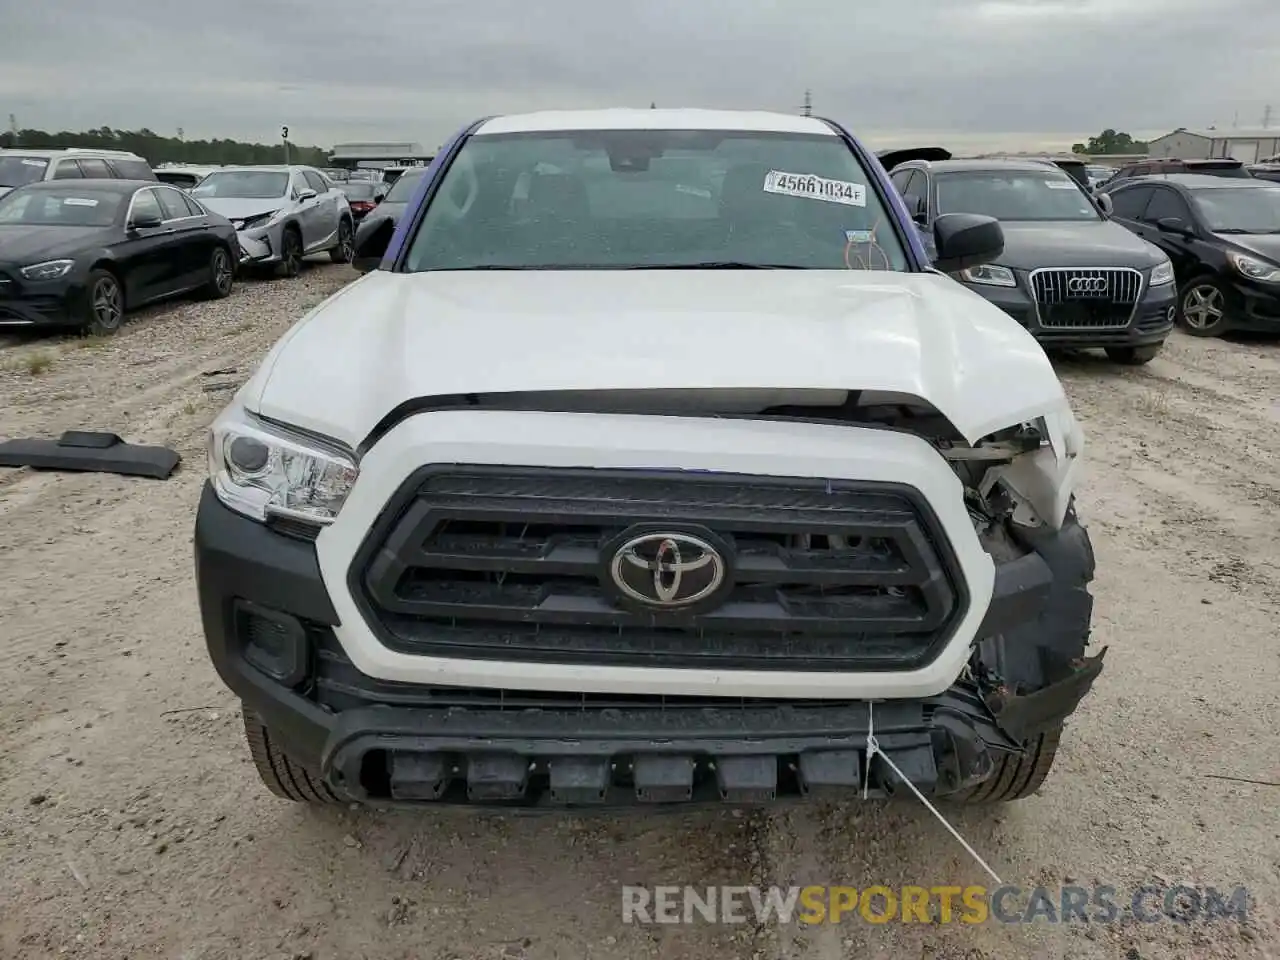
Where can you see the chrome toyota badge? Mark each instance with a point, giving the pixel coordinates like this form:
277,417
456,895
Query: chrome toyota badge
667,570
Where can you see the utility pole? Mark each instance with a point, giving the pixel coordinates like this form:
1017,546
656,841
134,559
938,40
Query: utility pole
1266,117
808,103
13,130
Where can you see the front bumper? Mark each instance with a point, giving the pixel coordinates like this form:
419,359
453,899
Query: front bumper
1151,322
28,305
256,247
269,623
1261,311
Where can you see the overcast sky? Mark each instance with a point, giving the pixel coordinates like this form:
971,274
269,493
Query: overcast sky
973,74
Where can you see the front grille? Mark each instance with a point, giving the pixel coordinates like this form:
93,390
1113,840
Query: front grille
1095,298
500,563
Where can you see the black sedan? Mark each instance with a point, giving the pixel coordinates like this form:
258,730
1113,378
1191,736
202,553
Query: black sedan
387,214
1223,237
80,253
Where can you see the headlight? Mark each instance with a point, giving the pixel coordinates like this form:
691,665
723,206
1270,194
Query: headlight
49,270
1253,268
257,220
1161,274
991,275
263,470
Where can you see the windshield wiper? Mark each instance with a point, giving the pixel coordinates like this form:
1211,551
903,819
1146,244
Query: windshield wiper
1234,230
717,265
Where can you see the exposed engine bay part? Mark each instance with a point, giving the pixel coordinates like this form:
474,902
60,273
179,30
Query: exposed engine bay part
91,452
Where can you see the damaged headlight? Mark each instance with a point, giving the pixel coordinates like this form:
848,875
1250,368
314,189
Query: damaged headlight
263,470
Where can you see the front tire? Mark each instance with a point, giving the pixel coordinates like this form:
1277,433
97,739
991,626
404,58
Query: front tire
345,249
1134,356
104,308
282,775
1016,776
290,252
1205,307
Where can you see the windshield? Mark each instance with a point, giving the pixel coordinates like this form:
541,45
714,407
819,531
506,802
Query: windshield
243,185
18,171
1240,209
359,191
634,199
60,208
402,189
1014,195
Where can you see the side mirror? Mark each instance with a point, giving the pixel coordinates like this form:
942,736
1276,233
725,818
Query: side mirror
1173,225
1104,203
307,194
372,240
964,240
145,221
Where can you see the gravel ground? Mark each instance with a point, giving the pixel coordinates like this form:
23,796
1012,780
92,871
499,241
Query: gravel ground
133,825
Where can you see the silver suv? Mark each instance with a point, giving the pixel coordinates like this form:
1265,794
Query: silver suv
281,214
19,166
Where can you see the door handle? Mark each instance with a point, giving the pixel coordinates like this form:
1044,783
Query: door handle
170,230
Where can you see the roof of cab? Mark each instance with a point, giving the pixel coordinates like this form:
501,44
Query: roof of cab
655,119
994,166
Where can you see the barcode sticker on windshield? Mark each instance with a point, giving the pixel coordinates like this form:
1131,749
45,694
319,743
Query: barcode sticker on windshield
79,202
815,188
1059,184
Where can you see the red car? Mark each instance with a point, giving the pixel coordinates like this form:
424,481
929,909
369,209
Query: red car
363,196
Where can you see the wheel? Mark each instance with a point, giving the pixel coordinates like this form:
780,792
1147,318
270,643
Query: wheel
1016,776
1205,307
222,274
105,307
290,252
346,247
284,777
1134,356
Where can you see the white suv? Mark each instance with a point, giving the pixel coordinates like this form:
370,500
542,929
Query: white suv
19,166
670,476
281,214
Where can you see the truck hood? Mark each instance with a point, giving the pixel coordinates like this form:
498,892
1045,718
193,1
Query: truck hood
390,338
1067,243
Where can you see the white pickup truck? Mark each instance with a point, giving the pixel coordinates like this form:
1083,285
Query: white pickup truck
669,483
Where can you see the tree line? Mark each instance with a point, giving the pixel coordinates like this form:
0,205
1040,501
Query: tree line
156,149
1108,142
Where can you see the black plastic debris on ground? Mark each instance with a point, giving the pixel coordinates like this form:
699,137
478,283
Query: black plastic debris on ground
90,451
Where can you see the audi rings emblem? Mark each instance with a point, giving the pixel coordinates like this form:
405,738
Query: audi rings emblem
1087,285
667,570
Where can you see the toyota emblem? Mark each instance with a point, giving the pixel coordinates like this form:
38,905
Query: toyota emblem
1084,285
667,570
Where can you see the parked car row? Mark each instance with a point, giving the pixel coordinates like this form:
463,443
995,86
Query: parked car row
87,235
1118,266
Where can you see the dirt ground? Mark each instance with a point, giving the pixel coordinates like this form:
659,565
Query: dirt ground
132,825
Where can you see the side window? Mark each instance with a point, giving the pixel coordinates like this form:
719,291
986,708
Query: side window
315,182
1129,204
1166,203
193,206
900,179
67,170
172,203
131,170
145,205
95,169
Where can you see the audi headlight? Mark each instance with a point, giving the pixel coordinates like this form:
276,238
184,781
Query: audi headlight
263,470
1161,274
1254,268
991,275
49,270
